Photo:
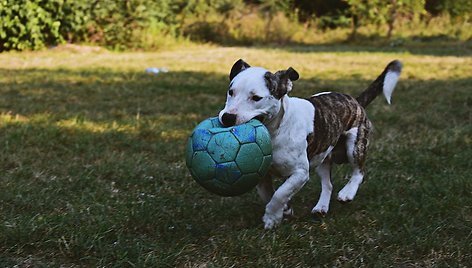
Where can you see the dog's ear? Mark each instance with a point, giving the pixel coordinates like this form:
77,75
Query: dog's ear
292,74
238,67
280,83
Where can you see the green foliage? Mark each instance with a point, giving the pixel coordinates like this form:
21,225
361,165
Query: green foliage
149,24
455,8
379,12
118,24
28,24
32,24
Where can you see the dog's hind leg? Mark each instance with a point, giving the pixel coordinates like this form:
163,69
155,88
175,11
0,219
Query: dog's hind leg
348,192
324,171
265,189
356,147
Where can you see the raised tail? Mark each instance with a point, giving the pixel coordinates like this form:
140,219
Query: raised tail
384,83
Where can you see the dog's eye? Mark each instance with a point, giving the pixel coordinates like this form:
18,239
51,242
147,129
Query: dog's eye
230,92
256,98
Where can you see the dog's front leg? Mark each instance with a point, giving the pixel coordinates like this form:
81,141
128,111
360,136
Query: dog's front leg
265,189
275,208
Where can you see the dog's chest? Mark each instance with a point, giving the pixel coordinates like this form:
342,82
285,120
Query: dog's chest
286,154
289,139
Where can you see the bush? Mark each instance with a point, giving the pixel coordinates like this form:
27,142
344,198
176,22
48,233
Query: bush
28,24
33,24
150,24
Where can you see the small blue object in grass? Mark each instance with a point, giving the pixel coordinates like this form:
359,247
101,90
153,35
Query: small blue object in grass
229,161
155,70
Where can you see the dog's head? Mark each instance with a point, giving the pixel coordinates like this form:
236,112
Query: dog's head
255,92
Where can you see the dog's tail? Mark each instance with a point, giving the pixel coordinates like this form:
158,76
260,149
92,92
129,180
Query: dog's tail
384,83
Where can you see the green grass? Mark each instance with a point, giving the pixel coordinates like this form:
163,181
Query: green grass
92,166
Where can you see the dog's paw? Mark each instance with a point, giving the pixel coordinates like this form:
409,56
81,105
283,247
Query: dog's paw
320,209
346,194
272,220
288,211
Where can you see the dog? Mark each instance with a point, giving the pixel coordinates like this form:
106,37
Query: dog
307,134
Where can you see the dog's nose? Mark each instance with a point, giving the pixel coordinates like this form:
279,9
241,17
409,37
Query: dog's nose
228,120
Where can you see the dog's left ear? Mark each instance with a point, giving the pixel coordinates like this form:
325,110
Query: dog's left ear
292,74
238,67
280,83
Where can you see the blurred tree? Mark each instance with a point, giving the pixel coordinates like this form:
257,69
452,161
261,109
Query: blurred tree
455,8
28,24
227,7
308,9
270,8
401,8
365,12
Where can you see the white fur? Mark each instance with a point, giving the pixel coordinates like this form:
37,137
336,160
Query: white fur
348,192
321,93
322,207
391,79
351,135
290,134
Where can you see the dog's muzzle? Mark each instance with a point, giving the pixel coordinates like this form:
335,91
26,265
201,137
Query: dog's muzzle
228,120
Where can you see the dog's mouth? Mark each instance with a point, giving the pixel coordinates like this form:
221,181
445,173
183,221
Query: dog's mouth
260,117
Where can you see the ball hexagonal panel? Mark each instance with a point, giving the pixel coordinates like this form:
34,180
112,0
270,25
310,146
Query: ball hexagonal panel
249,158
263,140
227,172
216,122
203,166
200,139
218,187
254,122
247,181
245,133
207,123
223,147
265,165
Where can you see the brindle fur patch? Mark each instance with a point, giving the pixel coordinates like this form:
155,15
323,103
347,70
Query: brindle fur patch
272,84
336,113
280,83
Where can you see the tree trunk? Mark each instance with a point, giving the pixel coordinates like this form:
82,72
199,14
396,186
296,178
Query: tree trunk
354,27
391,20
268,26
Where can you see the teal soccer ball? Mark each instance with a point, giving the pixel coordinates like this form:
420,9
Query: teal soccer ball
229,161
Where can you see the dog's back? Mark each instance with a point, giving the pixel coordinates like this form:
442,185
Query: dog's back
335,114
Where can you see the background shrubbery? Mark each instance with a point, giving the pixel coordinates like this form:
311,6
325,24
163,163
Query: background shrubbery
146,24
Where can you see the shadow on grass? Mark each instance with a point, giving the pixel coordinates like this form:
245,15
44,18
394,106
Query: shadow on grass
436,45
93,171
106,94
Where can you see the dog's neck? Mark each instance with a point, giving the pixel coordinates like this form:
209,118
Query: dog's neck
273,123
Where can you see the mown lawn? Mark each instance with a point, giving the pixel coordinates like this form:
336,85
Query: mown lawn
92,166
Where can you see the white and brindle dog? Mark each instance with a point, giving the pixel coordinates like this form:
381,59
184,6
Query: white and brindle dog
312,133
